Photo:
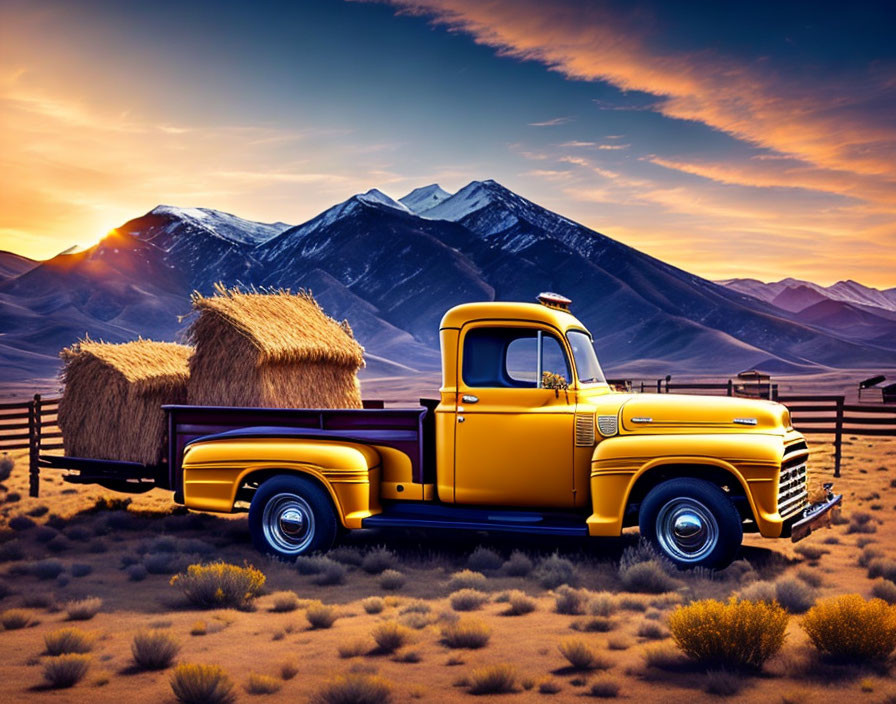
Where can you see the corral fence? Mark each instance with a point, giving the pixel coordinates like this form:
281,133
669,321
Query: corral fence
32,425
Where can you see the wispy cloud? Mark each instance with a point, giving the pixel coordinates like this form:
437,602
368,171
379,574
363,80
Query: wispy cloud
552,122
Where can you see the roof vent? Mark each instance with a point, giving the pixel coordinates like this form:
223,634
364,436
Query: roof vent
554,300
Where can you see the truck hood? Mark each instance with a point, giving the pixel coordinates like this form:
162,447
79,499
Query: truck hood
651,413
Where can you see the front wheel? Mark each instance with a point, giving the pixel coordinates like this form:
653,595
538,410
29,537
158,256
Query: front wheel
692,522
291,516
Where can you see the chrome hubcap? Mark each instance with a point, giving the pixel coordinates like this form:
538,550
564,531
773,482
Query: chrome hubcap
288,523
686,530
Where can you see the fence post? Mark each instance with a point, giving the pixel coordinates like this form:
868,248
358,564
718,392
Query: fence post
774,392
642,387
659,386
34,432
730,387
838,436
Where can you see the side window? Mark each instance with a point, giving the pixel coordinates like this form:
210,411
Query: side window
508,357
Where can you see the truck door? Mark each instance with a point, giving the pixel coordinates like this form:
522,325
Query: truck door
514,439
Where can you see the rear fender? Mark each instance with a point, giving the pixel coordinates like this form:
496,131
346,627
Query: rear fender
214,470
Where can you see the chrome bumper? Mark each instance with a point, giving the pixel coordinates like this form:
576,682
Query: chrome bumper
815,516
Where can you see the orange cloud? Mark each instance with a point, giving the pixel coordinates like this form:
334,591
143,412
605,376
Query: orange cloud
814,123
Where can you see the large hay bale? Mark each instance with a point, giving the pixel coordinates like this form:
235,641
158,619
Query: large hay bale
275,349
111,403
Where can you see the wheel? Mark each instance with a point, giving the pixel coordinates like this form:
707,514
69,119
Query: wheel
291,516
692,522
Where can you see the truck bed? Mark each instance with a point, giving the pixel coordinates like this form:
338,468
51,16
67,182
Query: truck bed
410,430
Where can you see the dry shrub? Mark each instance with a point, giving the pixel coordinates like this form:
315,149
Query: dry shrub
603,604
884,589
493,679
594,624
581,656
810,577
68,640
379,560
332,573
321,615
869,554
6,466
663,657
46,569
288,669
467,599
262,684
220,584
518,565
519,603
651,631
64,671
554,571
373,605
417,621
154,650
390,636
392,580
201,684
200,628
724,683
284,602
619,643
811,552
735,634
849,627
467,579
484,560
352,648
354,688
605,687
861,522
14,619
650,577
794,595
570,601
882,567
83,609
759,591
466,633
417,607
549,686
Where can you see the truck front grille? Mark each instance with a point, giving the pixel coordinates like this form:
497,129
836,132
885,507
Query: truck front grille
793,485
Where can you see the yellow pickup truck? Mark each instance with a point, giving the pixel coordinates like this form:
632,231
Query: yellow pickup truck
527,436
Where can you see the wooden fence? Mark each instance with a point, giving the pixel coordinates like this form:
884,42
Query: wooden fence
30,426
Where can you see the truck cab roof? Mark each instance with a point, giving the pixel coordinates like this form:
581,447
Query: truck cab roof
465,313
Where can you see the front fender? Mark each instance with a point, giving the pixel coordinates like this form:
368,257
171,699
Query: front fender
215,469
618,463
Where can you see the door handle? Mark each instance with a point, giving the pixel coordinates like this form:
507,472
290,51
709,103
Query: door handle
470,398
460,419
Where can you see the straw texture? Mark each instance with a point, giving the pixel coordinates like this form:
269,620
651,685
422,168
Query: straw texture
271,349
111,403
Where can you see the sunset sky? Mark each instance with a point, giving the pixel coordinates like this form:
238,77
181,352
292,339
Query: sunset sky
730,139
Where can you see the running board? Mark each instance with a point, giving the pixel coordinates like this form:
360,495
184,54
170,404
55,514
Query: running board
420,515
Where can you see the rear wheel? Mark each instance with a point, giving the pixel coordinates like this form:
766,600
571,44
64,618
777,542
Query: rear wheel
291,516
692,522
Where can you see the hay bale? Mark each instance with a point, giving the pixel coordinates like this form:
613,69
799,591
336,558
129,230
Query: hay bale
111,404
276,350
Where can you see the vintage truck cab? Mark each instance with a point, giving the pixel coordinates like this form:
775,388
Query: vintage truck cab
526,436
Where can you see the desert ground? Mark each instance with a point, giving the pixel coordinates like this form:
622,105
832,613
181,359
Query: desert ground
75,543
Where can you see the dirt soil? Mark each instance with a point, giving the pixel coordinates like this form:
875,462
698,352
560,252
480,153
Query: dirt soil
92,534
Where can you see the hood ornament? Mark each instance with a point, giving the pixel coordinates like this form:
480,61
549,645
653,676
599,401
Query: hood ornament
745,421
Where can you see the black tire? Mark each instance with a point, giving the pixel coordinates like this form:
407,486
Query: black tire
291,516
692,522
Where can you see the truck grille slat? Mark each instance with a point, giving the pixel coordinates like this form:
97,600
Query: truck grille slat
793,489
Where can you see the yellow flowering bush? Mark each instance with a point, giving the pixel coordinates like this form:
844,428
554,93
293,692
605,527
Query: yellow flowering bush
219,584
735,634
852,628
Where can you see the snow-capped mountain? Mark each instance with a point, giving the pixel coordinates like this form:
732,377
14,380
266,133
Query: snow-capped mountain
793,294
422,199
392,272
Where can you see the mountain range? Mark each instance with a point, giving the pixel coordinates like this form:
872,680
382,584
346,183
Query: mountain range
392,268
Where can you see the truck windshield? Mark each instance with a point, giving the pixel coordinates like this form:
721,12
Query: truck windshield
587,366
